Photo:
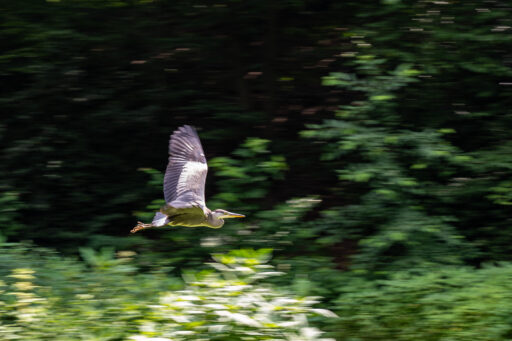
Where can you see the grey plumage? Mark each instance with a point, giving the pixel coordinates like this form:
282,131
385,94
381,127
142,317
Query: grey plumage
184,183
185,176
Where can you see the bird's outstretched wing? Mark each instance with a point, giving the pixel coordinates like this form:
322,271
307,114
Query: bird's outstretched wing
185,175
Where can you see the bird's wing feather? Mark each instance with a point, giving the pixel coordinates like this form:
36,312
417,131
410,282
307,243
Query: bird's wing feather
186,171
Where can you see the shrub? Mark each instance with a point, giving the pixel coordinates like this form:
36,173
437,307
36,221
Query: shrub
451,303
46,297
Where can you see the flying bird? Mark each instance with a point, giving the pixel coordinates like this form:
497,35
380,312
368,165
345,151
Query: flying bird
184,182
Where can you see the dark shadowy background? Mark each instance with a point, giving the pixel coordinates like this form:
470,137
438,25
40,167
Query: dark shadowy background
369,144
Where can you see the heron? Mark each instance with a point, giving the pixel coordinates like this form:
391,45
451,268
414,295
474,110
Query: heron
184,182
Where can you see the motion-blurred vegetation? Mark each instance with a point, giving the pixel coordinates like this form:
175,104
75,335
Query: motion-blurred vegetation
368,143
105,299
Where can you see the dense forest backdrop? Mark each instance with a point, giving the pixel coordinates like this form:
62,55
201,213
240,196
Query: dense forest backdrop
368,143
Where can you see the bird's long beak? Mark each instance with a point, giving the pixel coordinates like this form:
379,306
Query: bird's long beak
232,215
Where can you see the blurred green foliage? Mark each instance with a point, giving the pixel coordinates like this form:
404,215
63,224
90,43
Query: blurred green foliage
10,207
251,163
61,299
400,174
368,143
452,303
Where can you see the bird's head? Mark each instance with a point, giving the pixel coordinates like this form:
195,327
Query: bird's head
223,214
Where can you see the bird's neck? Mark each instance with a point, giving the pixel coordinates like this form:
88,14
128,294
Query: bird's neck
213,221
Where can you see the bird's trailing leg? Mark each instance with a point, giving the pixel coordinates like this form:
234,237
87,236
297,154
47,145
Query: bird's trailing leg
159,219
141,226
